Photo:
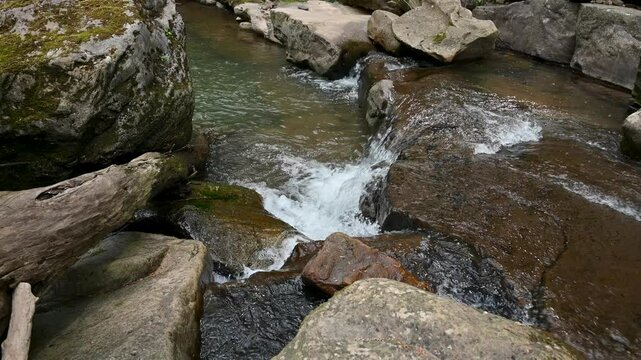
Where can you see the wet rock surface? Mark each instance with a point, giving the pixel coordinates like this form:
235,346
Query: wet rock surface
229,219
343,260
328,38
445,31
257,318
89,83
134,295
541,28
631,143
373,318
542,202
608,43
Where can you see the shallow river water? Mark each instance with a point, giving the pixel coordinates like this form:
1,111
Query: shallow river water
302,143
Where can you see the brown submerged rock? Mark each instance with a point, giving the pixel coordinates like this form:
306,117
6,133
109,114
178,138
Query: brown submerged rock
555,214
344,260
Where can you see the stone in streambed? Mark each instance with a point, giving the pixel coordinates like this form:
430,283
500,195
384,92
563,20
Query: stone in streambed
256,318
381,318
148,309
379,29
445,31
229,219
256,18
344,260
89,83
631,142
328,38
379,103
608,43
542,28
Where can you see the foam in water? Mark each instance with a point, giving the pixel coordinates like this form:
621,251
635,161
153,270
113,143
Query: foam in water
502,131
594,195
320,199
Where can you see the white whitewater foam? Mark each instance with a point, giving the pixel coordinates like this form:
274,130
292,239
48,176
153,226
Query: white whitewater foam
594,195
320,199
505,130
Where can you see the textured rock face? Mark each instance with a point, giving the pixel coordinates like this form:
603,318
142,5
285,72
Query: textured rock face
379,103
89,82
379,29
373,5
445,31
229,219
608,43
259,19
541,28
145,302
494,202
328,38
631,143
373,318
344,260
255,319
636,93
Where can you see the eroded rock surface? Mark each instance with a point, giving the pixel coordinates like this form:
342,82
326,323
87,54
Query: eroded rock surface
379,29
344,260
631,143
538,201
608,43
257,318
445,31
88,83
381,318
328,38
542,28
135,295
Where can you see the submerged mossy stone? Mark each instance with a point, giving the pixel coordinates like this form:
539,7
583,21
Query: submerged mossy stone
87,83
386,319
229,219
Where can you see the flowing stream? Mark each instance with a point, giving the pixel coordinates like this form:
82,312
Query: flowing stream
292,136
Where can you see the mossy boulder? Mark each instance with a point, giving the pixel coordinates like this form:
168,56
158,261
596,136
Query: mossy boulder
230,220
87,83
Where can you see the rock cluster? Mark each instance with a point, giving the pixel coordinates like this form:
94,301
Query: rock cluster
601,41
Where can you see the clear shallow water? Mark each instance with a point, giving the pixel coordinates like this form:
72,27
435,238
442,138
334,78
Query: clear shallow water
292,136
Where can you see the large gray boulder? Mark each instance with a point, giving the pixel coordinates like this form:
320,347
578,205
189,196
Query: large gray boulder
134,296
385,319
541,28
631,142
445,31
608,43
328,38
86,84
379,29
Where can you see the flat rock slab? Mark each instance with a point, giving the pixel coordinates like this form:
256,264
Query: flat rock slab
152,314
327,37
608,43
380,318
544,209
542,28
